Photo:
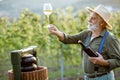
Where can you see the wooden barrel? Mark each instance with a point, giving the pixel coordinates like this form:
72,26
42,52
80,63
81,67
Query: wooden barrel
40,74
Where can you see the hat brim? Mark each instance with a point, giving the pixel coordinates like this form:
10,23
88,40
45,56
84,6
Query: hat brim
92,10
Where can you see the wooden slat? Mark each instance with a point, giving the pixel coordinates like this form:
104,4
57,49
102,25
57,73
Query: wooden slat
40,74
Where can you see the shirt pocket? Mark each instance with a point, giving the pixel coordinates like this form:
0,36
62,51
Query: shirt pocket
94,46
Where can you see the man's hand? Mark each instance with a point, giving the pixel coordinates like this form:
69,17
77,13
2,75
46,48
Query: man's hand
99,60
53,30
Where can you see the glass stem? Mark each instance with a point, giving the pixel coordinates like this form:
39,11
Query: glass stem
48,20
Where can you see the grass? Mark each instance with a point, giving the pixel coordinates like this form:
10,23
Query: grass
77,72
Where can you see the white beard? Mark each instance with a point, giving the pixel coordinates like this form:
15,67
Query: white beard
92,27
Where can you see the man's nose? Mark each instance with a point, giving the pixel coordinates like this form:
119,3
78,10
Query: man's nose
89,20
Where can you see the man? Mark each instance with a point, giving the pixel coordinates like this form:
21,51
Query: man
96,68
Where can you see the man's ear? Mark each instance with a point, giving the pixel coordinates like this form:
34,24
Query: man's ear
102,22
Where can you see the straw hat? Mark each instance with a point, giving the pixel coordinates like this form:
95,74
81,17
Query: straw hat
103,13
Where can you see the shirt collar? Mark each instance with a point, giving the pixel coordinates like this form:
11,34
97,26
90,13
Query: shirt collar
103,32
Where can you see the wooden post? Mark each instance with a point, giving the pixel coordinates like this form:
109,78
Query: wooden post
15,59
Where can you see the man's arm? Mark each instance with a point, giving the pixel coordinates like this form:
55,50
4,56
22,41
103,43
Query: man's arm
53,30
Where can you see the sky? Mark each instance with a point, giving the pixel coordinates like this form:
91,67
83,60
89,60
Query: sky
12,8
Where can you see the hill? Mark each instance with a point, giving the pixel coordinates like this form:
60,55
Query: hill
12,8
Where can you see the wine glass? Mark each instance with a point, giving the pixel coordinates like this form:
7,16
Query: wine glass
47,8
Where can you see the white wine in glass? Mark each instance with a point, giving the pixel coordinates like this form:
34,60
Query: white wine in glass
47,8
